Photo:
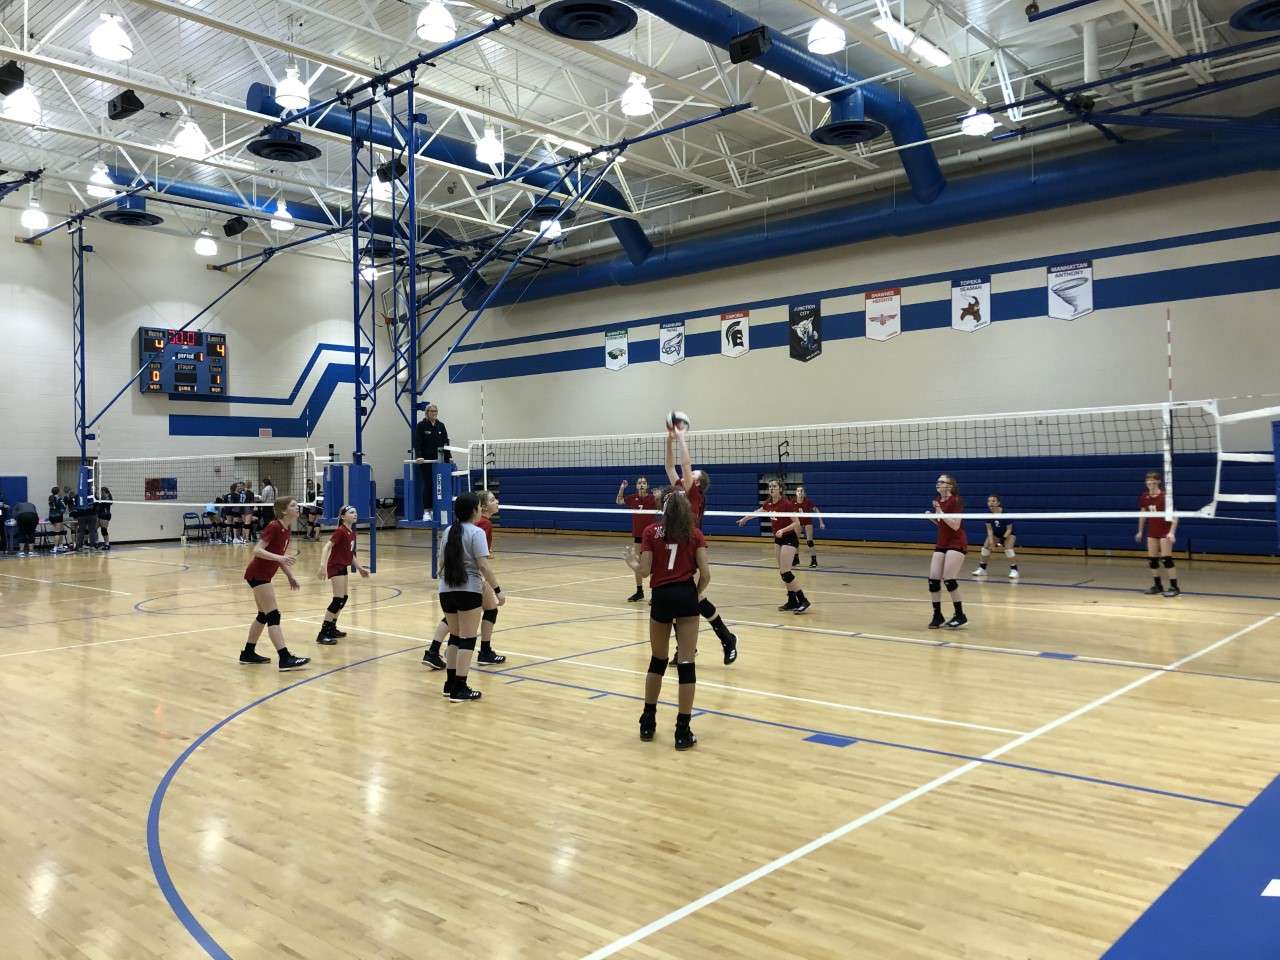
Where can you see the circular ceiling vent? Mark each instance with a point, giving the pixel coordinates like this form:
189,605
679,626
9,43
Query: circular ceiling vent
131,212
588,19
1261,16
845,133
283,145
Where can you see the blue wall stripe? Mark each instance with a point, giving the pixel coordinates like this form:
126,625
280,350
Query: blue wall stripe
1216,908
1161,286
293,394
1099,253
184,425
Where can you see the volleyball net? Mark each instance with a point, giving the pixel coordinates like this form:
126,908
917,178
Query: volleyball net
193,481
875,479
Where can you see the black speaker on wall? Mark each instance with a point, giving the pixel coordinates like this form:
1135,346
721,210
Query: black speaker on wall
750,45
11,78
124,104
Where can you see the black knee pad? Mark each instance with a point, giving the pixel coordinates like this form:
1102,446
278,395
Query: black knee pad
935,586
273,618
788,577
445,621
453,640
687,672
343,600
1168,562
658,666
1152,562
707,609
262,617
335,605
809,543
952,585
466,643
490,616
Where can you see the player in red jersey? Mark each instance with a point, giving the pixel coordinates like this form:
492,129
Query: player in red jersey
338,556
270,554
1160,536
694,484
642,499
806,506
786,543
489,601
671,553
948,553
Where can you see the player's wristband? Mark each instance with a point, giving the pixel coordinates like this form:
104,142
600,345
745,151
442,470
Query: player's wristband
496,588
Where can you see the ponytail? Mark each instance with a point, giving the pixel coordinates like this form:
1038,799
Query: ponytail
454,571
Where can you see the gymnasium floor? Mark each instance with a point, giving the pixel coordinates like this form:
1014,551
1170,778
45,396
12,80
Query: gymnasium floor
862,787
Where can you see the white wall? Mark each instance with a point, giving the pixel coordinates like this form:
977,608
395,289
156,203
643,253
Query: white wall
134,279
1224,346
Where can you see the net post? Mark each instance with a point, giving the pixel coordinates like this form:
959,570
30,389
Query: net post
1168,462
1275,445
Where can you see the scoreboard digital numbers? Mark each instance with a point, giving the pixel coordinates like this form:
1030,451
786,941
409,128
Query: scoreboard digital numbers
182,362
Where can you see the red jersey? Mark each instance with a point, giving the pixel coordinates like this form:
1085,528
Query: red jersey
806,506
781,506
343,553
697,501
276,538
1157,526
949,539
672,562
485,524
641,520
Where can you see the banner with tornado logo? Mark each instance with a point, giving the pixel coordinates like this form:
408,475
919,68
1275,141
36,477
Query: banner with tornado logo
1070,289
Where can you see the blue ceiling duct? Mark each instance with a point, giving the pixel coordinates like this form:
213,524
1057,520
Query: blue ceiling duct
717,23
261,99
1112,172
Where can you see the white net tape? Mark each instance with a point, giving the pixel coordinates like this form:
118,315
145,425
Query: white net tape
196,481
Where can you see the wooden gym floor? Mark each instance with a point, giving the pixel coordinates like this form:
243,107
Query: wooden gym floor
863,787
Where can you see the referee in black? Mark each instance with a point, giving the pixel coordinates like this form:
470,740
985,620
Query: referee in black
430,443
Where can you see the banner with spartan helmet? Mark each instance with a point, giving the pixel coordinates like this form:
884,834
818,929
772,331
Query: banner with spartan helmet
671,341
735,333
615,349
971,303
1070,289
884,313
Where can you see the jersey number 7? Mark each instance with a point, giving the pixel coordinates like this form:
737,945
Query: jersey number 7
671,555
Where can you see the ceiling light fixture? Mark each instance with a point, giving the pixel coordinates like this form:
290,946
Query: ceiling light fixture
22,105
110,40
282,219
977,124
912,42
435,23
205,244
637,101
190,141
489,148
291,92
826,37
33,218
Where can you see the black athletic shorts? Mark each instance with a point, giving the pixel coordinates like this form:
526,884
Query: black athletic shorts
672,600
459,601
255,583
788,540
638,539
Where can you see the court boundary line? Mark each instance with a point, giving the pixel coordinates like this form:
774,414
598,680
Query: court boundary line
857,823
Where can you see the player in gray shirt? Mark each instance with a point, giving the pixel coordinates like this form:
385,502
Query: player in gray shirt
464,570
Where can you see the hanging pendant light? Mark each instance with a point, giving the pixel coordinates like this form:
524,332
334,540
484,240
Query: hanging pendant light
205,244
489,148
551,230
977,124
637,101
435,23
291,92
100,185
282,219
190,141
22,105
825,37
110,40
33,218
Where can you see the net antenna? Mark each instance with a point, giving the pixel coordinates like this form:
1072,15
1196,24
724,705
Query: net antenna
1183,434
197,480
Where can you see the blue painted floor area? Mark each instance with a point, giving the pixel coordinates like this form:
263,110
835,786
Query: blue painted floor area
1215,910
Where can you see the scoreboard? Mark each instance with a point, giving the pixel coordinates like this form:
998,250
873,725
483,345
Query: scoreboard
182,362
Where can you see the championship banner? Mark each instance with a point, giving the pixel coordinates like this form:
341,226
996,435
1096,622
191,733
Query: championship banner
971,303
1070,289
805,321
671,341
735,333
884,313
615,349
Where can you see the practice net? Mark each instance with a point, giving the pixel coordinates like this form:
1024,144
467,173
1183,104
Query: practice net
198,480
874,480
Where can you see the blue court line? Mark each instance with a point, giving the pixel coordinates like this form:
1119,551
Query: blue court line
594,696
206,941
830,740
1216,908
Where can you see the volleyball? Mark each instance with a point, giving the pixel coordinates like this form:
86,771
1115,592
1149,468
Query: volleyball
678,418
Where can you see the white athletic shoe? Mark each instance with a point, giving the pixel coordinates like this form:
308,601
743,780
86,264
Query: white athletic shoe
1013,574
980,572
